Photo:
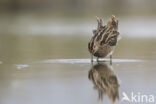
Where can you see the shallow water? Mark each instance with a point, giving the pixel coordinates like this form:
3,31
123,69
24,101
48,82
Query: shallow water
55,69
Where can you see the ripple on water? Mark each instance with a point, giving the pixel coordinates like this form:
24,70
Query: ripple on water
21,66
73,61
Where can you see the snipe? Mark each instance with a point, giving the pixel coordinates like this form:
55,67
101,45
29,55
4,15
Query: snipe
104,39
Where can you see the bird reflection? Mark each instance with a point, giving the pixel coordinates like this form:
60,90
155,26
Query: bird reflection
105,81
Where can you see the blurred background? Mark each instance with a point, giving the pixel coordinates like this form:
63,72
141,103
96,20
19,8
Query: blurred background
48,26
53,17
35,31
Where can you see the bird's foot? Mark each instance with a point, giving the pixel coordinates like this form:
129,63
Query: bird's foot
110,59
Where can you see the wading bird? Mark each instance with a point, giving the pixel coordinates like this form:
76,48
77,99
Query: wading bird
104,39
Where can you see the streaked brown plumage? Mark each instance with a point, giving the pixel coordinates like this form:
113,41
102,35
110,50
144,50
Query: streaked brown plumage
104,38
105,81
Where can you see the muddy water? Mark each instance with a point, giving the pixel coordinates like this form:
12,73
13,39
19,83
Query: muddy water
54,70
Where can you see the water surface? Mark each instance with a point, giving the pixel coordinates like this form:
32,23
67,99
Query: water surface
54,69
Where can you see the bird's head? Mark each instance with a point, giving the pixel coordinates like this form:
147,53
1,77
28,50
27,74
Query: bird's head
113,22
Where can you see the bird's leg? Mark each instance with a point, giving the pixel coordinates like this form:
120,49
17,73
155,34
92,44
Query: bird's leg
97,59
91,58
110,59
92,63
